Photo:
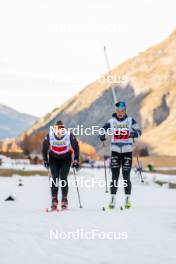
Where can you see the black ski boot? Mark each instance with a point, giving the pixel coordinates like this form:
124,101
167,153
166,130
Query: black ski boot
112,202
54,204
64,203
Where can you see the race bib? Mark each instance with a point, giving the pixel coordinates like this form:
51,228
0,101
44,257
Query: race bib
121,134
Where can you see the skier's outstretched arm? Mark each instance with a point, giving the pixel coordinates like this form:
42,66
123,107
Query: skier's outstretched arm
45,149
75,146
106,126
136,131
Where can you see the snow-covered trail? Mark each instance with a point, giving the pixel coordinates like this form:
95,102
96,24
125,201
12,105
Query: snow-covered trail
25,228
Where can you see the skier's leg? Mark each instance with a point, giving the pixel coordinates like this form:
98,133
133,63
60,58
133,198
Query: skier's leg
126,169
115,169
54,179
64,171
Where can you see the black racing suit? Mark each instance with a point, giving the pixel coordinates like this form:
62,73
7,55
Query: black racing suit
122,159
60,164
119,160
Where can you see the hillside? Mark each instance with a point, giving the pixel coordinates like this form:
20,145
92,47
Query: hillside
12,122
149,91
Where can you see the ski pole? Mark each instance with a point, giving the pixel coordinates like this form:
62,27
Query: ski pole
50,181
140,169
79,199
110,74
106,190
137,157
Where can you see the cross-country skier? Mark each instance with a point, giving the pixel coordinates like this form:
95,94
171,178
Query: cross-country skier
123,130
58,147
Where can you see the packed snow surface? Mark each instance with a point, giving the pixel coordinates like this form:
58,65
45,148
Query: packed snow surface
146,233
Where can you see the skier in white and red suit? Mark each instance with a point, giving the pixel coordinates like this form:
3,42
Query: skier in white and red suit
60,151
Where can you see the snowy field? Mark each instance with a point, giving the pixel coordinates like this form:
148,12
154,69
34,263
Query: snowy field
145,233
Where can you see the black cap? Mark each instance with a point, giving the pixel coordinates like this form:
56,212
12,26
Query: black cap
59,123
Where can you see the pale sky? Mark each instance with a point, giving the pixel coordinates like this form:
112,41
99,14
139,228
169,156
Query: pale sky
50,49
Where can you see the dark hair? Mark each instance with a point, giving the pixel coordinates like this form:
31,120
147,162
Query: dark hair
59,123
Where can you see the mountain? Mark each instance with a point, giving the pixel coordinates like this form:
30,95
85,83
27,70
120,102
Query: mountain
12,122
149,89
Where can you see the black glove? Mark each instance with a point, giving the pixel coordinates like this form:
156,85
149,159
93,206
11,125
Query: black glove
46,164
102,137
75,164
133,134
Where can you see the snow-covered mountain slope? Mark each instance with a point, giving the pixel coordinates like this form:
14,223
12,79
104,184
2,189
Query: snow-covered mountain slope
12,122
149,90
149,227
